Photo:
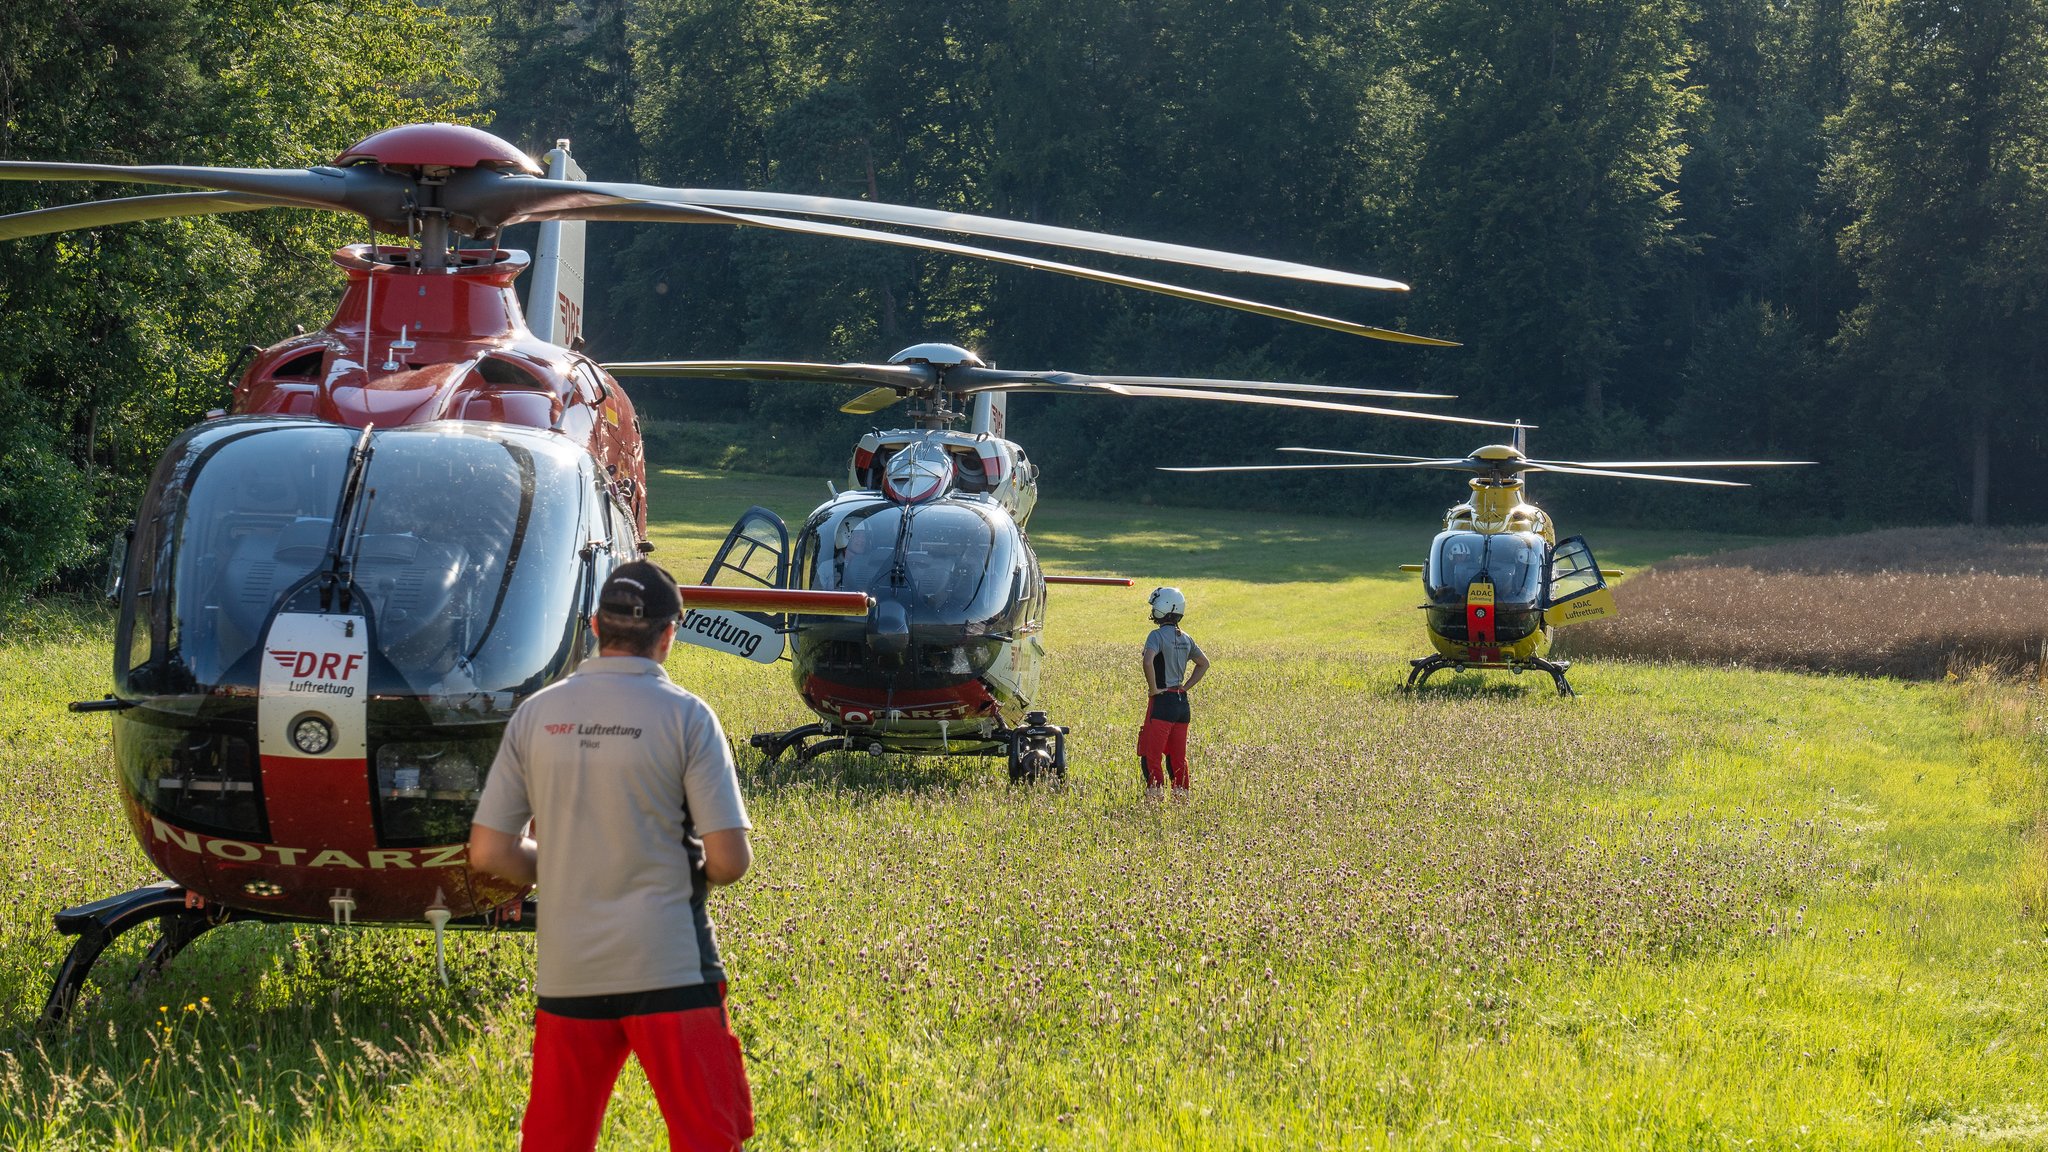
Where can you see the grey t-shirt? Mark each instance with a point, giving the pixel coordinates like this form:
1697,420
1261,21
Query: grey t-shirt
618,767
1169,649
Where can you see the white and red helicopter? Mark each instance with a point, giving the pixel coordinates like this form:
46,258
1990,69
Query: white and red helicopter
339,587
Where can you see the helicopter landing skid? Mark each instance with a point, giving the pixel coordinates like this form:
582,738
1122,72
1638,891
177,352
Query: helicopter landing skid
1422,668
182,919
101,922
814,740
1036,751
774,744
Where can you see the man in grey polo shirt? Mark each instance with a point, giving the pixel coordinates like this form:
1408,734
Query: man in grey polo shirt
636,812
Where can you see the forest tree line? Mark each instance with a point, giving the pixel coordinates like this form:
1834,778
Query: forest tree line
1814,229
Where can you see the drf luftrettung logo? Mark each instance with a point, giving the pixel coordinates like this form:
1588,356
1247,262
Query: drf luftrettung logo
318,672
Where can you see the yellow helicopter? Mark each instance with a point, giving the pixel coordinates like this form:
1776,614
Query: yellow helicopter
1497,581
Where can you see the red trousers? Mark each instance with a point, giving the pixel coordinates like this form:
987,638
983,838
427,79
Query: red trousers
1165,735
691,1058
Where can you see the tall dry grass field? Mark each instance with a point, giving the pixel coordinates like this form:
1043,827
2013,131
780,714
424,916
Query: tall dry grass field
1916,603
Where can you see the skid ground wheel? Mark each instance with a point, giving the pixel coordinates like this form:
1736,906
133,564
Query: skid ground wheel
99,924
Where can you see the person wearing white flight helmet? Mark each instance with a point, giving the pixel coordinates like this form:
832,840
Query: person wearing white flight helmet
1173,664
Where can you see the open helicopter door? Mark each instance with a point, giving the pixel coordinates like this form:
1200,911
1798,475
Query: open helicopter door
1575,590
554,304
755,552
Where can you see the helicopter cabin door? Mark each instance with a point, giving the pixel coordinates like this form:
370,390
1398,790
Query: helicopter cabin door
1575,591
755,553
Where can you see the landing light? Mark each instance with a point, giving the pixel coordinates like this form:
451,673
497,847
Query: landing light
312,734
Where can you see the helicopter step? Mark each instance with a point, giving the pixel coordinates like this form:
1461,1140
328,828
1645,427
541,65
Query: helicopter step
183,918
1422,668
1036,751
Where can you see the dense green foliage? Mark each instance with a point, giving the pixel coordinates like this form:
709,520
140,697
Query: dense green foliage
1811,229
114,340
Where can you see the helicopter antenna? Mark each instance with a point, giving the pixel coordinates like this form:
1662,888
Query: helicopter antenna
369,299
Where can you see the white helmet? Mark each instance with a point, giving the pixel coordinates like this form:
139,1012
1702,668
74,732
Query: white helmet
1167,602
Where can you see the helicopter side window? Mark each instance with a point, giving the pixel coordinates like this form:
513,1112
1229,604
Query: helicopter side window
864,547
590,384
803,568
427,790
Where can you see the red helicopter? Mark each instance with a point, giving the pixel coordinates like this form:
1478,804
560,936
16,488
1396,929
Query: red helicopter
337,589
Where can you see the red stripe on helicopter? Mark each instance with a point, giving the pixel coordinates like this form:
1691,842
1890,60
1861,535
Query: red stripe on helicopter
318,803
1104,581
710,596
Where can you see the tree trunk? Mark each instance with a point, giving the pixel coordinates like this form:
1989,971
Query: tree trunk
888,297
1980,468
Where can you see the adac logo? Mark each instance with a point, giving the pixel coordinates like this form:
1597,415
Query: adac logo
318,665
560,729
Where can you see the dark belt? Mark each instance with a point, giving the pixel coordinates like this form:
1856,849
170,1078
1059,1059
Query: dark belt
1173,702
618,1005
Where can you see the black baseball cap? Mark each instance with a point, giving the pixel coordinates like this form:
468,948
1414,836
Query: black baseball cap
642,590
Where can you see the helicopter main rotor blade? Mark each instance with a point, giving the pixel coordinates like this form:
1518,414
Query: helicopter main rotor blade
1673,463
317,187
1269,401
1302,467
1373,455
903,377
496,198
871,401
989,227
1534,467
131,209
386,199
480,201
971,379
657,212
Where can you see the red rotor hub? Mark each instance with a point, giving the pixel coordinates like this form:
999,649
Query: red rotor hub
437,146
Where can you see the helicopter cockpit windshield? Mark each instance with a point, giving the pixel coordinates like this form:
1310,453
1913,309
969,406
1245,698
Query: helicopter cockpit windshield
1513,560
467,557
947,563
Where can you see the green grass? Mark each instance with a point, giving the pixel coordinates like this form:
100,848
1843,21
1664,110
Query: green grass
1693,908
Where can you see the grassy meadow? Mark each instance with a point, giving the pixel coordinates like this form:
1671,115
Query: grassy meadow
1696,907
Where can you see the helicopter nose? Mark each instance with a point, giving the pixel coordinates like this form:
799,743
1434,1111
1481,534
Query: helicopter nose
889,631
